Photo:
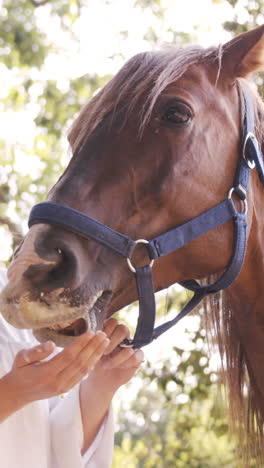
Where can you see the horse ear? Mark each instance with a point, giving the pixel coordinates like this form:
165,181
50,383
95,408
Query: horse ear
244,54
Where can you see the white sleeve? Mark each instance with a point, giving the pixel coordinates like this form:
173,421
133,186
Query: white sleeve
3,278
66,433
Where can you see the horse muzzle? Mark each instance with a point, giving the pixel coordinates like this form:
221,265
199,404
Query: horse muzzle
46,293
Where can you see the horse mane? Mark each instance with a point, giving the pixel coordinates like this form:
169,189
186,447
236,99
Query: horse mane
245,417
136,87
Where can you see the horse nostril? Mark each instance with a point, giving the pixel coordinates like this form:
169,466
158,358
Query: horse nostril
48,252
52,275
54,266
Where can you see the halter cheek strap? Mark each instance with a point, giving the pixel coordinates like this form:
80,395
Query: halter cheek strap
77,222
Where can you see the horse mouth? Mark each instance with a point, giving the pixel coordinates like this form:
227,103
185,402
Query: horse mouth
51,317
76,328
64,332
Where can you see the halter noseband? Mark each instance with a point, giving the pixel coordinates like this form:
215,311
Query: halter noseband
79,223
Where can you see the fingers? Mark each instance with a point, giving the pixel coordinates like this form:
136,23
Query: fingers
87,359
33,355
109,326
80,354
124,359
70,353
63,371
116,333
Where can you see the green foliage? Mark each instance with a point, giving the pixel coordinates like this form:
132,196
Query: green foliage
22,44
24,47
57,107
254,10
255,13
156,6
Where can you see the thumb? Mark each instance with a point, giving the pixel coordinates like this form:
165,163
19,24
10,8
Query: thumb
32,355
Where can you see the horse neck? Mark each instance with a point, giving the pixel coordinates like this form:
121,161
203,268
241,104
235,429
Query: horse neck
245,297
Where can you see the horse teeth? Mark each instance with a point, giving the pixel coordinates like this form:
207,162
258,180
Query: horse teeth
87,312
88,321
93,320
61,325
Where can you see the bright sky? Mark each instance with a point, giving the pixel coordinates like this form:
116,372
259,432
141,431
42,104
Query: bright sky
100,25
99,30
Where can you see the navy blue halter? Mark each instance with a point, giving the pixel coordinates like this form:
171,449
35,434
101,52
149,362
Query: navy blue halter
79,223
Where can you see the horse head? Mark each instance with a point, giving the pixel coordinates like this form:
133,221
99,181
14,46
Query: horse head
155,147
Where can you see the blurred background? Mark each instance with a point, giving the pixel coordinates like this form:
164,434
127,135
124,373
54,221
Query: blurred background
54,55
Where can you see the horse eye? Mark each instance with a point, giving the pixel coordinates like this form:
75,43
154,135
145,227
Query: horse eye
177,114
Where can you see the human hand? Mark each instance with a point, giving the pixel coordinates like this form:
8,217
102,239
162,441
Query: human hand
32,379
118,365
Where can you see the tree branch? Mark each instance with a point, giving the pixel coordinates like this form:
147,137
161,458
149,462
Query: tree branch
40,3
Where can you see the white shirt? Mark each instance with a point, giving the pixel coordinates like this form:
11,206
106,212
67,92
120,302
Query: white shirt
46,433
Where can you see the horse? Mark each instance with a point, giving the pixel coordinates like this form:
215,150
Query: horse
157,146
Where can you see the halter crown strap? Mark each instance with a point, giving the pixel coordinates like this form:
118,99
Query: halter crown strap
77,222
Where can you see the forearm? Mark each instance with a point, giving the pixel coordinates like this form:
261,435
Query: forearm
95,400
115,368
9,398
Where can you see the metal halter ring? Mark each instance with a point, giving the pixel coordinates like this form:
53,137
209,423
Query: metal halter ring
131,267
126,343
244,202
251,164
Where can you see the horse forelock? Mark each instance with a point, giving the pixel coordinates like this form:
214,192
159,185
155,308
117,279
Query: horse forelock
136,88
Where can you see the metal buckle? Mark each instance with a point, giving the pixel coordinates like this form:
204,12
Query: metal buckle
131,267
244,202
126,343
251,164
